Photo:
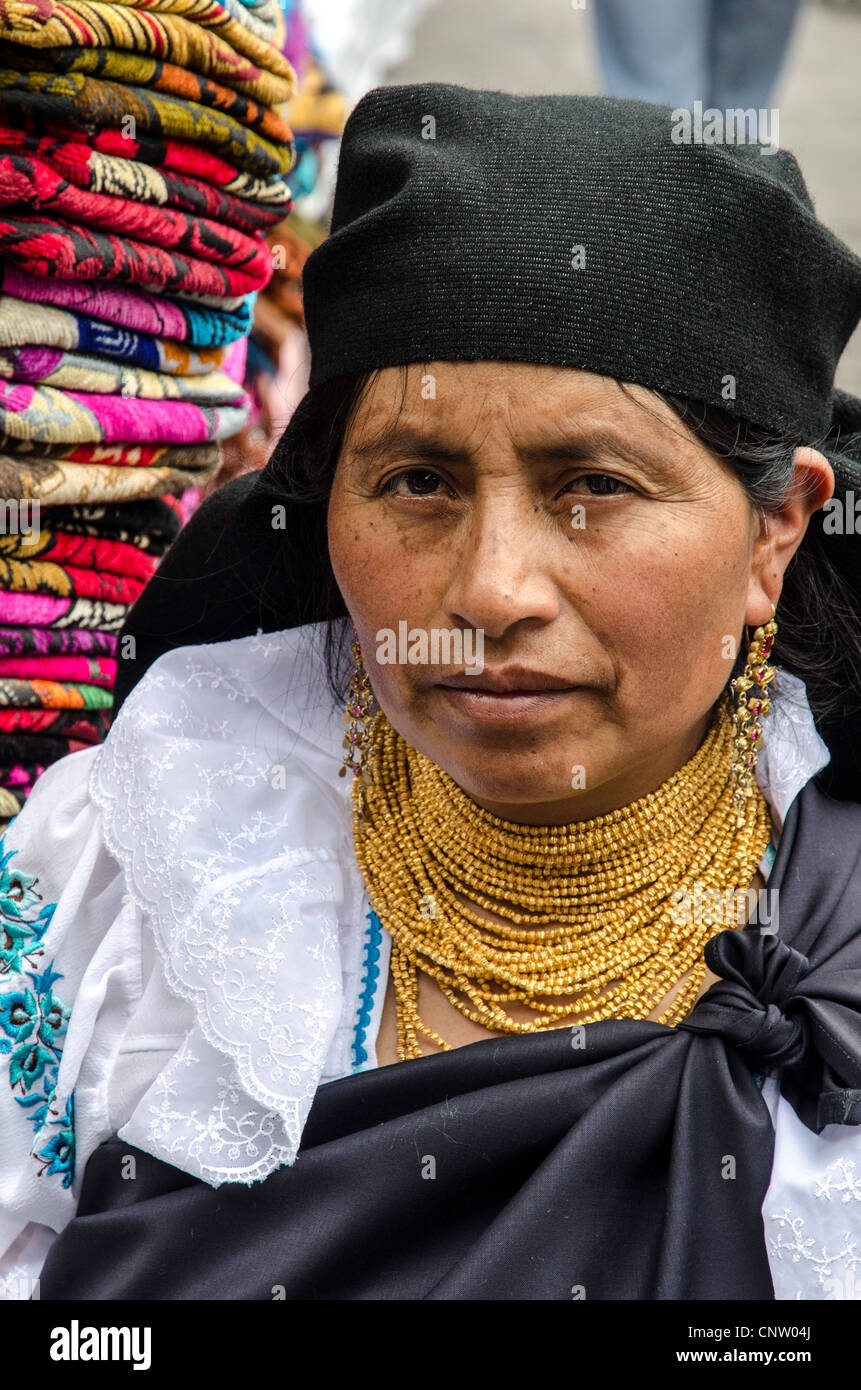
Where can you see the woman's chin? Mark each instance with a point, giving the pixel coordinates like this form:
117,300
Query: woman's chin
530,759
502,783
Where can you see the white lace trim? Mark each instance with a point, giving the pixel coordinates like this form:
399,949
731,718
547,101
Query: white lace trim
810,1211
243,886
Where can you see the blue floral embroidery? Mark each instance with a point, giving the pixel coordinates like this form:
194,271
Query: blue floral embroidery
33,1019
373,937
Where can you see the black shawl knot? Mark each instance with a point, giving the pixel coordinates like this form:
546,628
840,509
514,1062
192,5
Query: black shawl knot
757,1005
789,1011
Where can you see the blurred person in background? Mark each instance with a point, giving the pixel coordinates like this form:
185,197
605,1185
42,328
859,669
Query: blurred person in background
724,53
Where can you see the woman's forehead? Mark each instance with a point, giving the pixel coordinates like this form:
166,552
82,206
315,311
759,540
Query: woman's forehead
447,399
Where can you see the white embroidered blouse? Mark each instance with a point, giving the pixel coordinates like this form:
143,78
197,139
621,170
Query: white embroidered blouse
187,951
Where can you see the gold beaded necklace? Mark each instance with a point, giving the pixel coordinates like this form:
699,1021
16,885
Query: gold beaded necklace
588,908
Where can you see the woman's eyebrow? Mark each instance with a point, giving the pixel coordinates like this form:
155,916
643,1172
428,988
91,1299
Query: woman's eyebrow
403,440
580,448
575,448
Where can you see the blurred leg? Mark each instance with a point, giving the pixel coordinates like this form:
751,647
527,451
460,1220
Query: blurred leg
749,39
656,50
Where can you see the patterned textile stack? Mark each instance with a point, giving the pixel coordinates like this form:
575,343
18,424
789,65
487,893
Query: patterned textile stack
142,162
58,640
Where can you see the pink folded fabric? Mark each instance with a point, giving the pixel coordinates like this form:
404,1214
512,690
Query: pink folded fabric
43,641
94,670
40,610
54,416
164,317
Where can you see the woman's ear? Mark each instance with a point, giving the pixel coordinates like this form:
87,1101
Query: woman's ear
782,530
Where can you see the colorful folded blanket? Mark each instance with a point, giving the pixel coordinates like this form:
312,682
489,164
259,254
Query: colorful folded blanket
91,670
20,777
44,412
73,100
43,641
75,372
188,456
43,246
168,317
155,75
94,172
36,694
84,552
16,748
233,55
38,610
150,524
181,157
58,482
31,184
263,21
52,695
86,727
66,581
25,324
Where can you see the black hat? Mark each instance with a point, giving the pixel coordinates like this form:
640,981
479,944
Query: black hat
579,231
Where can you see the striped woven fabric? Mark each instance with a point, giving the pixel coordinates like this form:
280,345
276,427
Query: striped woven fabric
72,101
22,323
201,35
152,74
87,168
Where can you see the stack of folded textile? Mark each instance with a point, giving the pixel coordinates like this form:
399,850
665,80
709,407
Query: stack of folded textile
68,585
143,162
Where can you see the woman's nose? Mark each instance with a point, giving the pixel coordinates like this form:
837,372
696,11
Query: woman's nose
502,572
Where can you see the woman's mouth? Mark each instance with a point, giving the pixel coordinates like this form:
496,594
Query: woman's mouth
486,703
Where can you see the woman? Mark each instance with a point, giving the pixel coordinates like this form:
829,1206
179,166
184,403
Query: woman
562,488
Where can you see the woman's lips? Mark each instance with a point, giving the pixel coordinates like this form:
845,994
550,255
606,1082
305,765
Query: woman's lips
502,706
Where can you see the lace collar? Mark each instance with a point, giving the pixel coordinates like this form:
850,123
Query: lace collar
220,799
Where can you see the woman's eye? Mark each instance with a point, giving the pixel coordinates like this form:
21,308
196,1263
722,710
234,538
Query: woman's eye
423,482
420,482
603,484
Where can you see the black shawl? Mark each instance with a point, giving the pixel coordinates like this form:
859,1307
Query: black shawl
530,1168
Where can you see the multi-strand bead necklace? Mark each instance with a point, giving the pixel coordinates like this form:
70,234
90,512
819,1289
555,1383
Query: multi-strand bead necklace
591,928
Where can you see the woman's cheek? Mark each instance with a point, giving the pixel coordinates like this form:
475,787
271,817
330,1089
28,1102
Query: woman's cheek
355,553
681,630
384,573
382,584
660,604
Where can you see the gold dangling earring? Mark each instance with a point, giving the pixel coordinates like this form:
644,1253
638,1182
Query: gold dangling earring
357,740
747,715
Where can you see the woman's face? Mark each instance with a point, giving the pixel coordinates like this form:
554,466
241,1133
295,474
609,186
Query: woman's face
585,542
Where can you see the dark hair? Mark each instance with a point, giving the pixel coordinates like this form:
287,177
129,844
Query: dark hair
819,613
